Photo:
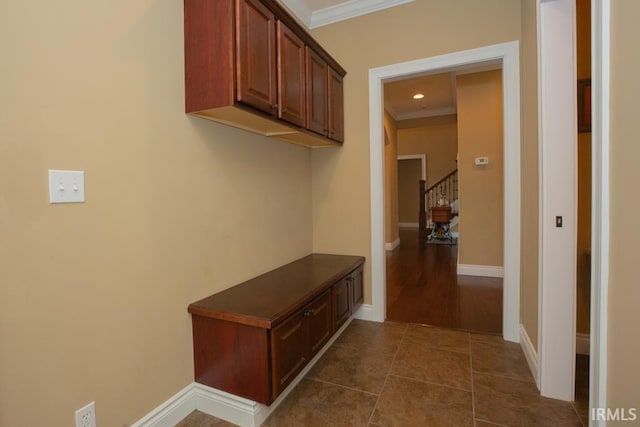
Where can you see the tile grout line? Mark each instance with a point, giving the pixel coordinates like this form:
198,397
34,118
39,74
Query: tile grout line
431,383
388,374
508,377
341,386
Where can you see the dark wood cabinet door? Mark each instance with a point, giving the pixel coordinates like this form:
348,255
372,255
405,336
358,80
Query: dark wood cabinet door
291,77
335,106
316,93
319,327
289,351
341,302
357,290
255,55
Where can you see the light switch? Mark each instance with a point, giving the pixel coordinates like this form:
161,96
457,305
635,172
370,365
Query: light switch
66,186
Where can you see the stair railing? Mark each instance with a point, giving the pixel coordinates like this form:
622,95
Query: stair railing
445,190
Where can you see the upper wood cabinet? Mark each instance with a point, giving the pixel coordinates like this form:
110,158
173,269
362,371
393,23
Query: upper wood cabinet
335,122
256,56
249,64
292,88
316,93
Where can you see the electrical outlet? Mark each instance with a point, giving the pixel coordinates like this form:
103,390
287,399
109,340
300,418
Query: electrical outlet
86,417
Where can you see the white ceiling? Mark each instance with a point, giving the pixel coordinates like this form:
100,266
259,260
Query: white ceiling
439,96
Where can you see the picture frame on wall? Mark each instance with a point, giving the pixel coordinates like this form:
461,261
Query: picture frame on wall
584,105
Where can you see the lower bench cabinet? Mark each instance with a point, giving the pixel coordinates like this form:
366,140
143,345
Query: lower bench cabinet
296,341
342,304
254,338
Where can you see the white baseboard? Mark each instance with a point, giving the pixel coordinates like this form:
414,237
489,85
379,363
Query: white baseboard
223,405
391,246
583,343
408,225
530,353
365,312
480,270
172,411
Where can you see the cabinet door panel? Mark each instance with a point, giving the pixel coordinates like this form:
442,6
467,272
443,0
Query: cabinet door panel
255,55
316,93
289,351
320,322
291,77
336,106
341,302
357,287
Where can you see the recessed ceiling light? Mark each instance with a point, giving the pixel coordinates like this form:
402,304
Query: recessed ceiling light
418,96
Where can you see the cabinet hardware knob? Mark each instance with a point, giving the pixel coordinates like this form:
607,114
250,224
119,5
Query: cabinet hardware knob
285,111
309,313
274,106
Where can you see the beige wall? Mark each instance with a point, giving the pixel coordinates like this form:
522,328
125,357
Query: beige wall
624,293
529,171
390,179
481,188
415,30
409,176
438,142
93,297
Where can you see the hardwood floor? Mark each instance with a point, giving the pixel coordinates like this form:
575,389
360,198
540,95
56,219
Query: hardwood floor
422,287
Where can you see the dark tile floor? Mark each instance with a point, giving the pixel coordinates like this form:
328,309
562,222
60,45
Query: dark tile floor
394,374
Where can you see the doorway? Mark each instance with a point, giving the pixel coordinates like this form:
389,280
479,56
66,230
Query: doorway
411,169
508,55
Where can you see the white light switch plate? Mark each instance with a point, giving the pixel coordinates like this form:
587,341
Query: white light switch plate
66,186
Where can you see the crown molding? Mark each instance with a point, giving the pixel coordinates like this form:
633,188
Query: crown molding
350,9
300,10
340,12
392,112
427,113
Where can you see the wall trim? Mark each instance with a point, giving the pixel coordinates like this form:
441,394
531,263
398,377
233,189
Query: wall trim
557,196
509,54
172,411
365,312
350,9
529,353
421,157
391,246
432,112
583,342
600,68
223,405
480,270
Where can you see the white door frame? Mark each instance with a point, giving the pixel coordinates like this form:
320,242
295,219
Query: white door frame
600,42
421,157
508,53
555,350
558,137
